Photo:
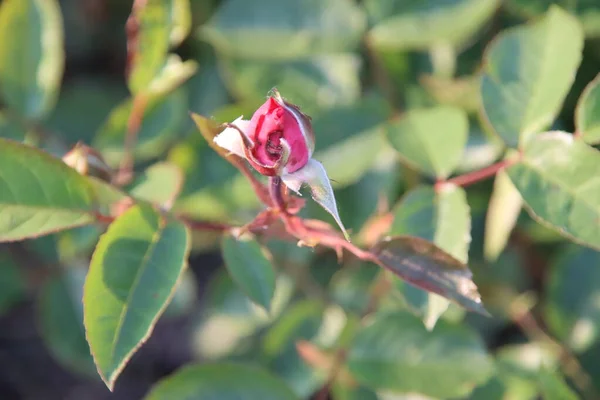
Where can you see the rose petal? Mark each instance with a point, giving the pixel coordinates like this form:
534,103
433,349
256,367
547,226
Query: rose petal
231,140
315,176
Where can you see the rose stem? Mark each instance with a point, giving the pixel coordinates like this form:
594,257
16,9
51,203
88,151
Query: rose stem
276,194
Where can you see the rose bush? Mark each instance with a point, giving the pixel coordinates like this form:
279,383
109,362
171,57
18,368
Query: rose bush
155,244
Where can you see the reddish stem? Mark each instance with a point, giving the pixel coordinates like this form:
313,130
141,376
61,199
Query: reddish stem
275,190
205,225
479,175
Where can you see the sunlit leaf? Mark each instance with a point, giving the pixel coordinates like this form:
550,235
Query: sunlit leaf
431,140
132,276
504,209
31,55
160,184
442,217
224,381
528,71
40,194
422,264
558,180
587,115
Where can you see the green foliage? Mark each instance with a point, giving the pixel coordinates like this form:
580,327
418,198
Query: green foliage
31,54
223,381
132,276
250,268
450,288
522,90
395,352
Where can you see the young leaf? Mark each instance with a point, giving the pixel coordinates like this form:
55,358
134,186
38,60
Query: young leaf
288,30
558,180
251,268
159,184
60,314
31,55
221,381
572,310
422,264
442,217
396,353
40,194
587,114
150,42
431,140
401,24
132,276
527,73
503,211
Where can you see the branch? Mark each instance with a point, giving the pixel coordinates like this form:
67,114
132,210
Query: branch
479,175
134,123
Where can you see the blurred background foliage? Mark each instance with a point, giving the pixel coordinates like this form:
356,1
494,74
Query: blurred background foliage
354,66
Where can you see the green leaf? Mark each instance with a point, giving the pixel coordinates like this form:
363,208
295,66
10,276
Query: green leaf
134,270
585,10
313,83
441,217
172,75
504,209
421,24
12,283
229,317
151,42
587,114
31,55
557,178
396,353
527,73
60,313
350,140
221,381
572,310
182,21
287,30
160,184
40,194
554,387
431,140
422,264
301,321
162,118
250,267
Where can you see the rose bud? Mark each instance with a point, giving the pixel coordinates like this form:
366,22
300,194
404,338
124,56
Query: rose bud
88,162
279,141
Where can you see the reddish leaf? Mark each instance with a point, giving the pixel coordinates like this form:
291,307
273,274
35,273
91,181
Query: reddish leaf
422,264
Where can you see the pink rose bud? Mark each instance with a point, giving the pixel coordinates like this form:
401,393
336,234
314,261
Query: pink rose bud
279,141
282,137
